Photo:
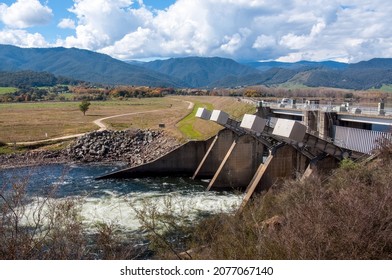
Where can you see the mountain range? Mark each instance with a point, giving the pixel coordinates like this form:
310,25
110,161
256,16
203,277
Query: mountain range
81,65
194,72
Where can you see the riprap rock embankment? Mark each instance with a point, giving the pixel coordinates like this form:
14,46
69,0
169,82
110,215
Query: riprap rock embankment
132,146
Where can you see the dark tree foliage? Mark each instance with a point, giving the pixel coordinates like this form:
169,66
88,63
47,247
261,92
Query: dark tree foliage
27,79
84,106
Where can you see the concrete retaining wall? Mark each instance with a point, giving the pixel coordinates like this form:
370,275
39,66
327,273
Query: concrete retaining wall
181,162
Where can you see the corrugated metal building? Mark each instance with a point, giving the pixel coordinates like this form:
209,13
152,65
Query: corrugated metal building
359,140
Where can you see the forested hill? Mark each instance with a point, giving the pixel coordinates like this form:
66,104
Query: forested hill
81,65
22,79
202,71
362,75
193,72
220,72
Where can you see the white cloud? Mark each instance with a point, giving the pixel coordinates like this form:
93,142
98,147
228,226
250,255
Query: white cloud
240,29
224,28
236,41
25,13
264,42
287,30
132,45
299,42
22,38
101,23
66,23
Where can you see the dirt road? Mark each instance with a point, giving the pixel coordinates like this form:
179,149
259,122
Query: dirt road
98,122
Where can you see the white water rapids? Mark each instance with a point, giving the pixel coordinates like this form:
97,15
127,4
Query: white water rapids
114,201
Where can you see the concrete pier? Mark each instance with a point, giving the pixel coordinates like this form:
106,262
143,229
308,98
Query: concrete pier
239,165
214,155
255,181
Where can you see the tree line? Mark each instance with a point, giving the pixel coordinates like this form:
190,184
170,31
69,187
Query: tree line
29,94
33,86
28,79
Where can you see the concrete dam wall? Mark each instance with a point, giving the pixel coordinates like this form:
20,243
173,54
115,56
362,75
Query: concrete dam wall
251,155
230,161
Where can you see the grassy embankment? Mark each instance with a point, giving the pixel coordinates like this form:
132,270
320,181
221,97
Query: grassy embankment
187,124
195,128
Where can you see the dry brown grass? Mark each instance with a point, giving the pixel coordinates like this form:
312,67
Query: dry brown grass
31,121
21,122
24,122
171,112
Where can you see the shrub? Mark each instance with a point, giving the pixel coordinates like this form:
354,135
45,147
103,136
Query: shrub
52,229
168,229
347,216
348,164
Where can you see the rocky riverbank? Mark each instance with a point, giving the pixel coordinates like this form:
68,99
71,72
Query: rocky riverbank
133,147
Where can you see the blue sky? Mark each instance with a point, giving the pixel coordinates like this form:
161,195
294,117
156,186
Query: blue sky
159,4
60,10
50,30
283,30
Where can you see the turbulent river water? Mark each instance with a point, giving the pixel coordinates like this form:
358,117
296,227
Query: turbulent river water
114,201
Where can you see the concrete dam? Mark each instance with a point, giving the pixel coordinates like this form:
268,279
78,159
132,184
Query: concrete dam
276,143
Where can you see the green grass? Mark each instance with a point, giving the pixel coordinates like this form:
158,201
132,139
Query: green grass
187,125
8,150
199,129
5,90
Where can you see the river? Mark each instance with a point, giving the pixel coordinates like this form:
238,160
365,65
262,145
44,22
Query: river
113,201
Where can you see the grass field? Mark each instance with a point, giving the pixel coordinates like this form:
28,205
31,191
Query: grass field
38,121
5,90
170,110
